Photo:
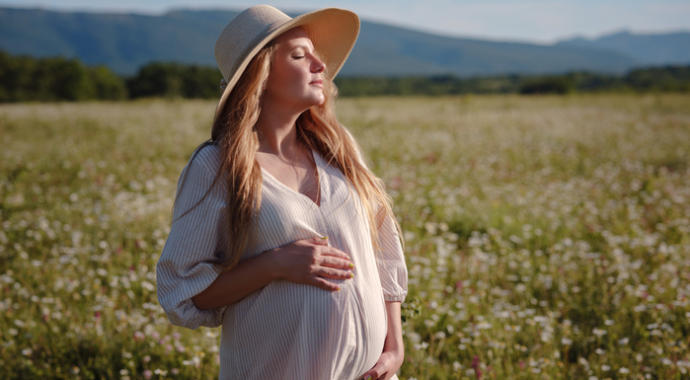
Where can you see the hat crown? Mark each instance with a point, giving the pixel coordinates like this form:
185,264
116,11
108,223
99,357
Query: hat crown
242,33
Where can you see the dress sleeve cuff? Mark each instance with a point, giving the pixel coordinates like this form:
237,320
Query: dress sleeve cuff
395,297
188,315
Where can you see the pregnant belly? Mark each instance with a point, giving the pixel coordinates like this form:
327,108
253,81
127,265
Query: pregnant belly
339,334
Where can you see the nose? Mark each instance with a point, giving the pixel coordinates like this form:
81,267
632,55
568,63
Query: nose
317,66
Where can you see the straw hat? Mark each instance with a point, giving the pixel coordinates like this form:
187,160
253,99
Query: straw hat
333,32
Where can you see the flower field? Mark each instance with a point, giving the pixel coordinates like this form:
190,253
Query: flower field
546,237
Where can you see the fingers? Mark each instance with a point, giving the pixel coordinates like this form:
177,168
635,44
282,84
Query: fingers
325,285
385,368
334,273
320,241
329,261
375,373
315,263
330,251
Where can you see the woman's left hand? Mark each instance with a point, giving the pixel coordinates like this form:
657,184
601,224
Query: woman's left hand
386,367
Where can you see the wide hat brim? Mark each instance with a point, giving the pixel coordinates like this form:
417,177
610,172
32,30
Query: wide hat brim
333,31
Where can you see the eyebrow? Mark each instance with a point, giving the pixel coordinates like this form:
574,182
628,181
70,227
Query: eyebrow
303,46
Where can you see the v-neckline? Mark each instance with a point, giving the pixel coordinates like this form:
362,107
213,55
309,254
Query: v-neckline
319,195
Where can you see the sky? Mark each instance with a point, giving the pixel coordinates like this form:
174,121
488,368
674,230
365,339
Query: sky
539,21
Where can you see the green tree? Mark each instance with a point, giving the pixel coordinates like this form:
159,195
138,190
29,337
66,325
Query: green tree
547,85
669,78
108,85
56,79
173,80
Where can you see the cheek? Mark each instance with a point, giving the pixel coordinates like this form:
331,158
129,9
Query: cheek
296,76
285,77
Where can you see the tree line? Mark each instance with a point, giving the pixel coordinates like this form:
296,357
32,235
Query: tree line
52,79
654,79
25,78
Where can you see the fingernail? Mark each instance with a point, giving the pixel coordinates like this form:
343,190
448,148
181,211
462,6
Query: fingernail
352,275
352,265
324,238
336,289
368,377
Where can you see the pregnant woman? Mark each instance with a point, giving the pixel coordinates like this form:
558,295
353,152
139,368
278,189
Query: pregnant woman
280,233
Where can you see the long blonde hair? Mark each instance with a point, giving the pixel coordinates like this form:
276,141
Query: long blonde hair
317,128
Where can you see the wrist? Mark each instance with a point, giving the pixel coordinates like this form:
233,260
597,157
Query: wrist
395,348
274,264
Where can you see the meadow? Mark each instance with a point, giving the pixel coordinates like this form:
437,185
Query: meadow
546,237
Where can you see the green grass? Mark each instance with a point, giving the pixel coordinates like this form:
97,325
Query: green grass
547,237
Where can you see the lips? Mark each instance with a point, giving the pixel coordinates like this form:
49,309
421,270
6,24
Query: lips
318,82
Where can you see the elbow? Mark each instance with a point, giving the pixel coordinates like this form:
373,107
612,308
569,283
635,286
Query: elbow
187,315
180,318
200,302
176,320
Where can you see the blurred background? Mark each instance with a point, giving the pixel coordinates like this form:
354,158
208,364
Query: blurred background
130,49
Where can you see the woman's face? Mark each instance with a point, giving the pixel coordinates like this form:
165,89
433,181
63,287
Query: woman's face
295,79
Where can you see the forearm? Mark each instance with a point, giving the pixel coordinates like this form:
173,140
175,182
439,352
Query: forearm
233,285
308,261
394,341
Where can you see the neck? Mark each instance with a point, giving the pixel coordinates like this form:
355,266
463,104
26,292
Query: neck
277,130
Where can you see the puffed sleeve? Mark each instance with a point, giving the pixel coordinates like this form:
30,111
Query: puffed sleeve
188,263
390,258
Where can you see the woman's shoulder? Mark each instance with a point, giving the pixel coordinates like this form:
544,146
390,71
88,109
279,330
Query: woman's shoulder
202,169
206,156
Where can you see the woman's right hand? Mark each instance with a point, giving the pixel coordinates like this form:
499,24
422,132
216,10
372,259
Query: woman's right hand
312,262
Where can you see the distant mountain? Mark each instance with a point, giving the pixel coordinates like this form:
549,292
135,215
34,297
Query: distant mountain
124,42
645,49
388,50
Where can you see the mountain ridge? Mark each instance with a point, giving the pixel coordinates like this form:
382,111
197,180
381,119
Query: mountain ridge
646,49
126,41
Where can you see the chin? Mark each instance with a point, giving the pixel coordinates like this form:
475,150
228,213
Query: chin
317,101
318,96
310,100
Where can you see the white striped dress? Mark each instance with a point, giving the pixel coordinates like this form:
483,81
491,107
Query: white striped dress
284,330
